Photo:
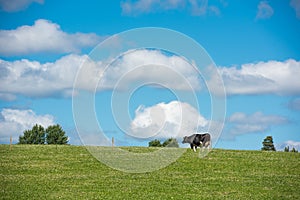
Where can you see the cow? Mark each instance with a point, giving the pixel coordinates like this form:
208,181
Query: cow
198,140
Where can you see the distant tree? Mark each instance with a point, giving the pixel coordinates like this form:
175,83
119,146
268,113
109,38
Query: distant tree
171,142
56,135
34,136
155,143
294,150
268,144
287,149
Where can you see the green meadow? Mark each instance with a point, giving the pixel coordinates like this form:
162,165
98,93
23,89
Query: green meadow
71,172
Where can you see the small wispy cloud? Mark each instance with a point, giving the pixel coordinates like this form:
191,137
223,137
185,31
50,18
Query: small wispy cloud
294,104
296,5
148,6
241,123
194,7
264,10
17,5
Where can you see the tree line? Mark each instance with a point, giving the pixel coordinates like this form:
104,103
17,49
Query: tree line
171,142
268,144
53,134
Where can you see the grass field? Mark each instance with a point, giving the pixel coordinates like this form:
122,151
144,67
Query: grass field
70,172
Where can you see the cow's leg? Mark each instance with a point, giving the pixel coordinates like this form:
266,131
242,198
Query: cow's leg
207,144
201,145
193,147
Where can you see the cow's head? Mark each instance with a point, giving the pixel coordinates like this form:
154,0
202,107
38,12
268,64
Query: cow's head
185,139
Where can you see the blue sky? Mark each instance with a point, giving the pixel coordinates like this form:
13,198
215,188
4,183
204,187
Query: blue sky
254,45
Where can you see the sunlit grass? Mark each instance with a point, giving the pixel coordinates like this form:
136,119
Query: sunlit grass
70,172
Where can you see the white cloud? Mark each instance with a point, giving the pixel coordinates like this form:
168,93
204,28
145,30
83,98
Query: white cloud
13,122
264,11
241,123
35,79
31,78
272,77
43,36
296,5
16,5
195,7
164,120
290,143
152,66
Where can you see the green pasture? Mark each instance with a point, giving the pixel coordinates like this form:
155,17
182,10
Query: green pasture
71,172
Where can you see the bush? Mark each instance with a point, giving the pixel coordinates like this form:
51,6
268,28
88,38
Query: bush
155,143
171,142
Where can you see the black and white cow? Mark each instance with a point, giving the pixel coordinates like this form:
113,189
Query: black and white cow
198,140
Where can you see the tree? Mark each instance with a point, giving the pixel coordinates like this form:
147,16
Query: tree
34,136
56,135
155,143
287,149
171,142
268,144
294,150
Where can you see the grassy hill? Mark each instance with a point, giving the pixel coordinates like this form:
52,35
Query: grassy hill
70,172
